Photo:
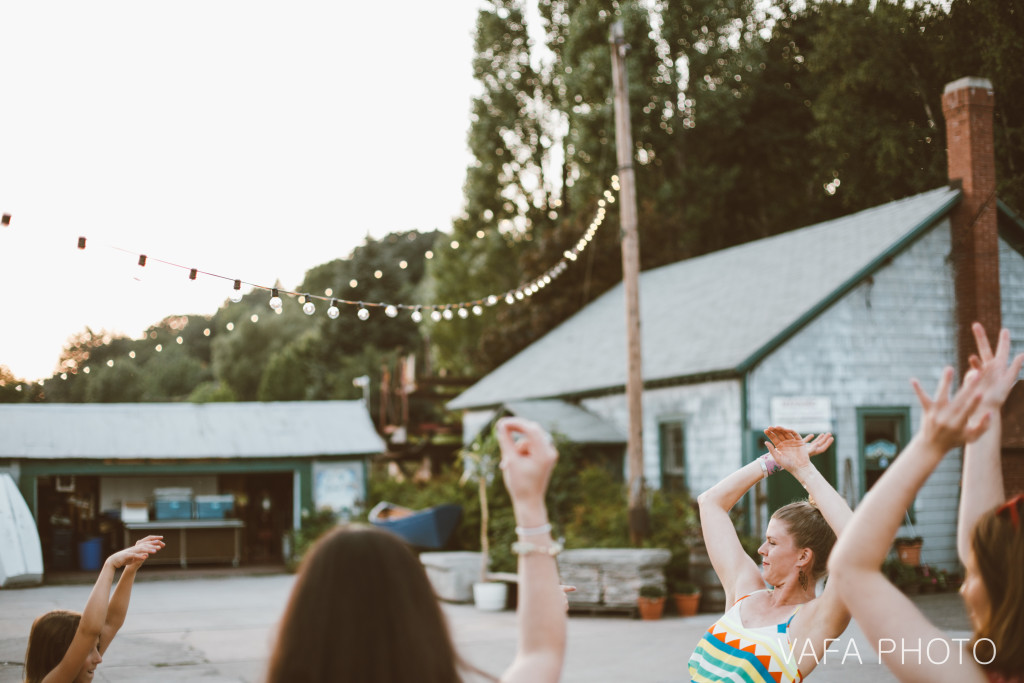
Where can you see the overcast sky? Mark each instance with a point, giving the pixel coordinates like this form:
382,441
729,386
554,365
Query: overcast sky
250,139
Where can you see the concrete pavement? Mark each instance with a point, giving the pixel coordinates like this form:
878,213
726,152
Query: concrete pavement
218,629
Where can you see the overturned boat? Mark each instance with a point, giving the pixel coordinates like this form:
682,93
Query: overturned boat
427,529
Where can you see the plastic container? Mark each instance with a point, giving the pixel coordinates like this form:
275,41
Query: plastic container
173,508
215,507
90,554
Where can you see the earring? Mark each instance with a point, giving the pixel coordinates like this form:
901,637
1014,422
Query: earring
802,578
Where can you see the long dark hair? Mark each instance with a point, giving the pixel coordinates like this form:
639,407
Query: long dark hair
362,609
998,545
48,641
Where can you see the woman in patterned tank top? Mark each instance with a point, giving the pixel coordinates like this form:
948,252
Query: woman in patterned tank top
776,635
990,537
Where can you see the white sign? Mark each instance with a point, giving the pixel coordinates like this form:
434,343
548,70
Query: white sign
802,413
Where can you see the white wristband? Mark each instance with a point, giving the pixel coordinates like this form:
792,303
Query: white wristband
534,530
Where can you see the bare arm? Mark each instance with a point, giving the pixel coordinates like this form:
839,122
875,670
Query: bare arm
94,615
527,458
826,616
982,486
855,564
737,572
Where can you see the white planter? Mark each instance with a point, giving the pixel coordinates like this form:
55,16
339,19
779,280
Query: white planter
490,596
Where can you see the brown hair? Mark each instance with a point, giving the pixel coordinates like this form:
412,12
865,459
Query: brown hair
362,608
998,545
48,641
810,530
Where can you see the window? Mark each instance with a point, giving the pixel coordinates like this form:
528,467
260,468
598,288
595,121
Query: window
671,445
884,433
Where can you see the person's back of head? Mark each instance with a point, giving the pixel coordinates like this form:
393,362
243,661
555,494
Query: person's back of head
998,546
49,639
362,609
809,530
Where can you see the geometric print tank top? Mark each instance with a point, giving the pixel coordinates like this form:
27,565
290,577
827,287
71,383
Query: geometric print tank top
730,651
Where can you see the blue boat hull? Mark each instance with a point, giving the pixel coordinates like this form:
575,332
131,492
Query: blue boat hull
428,529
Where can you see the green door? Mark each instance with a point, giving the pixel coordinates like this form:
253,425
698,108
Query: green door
783,488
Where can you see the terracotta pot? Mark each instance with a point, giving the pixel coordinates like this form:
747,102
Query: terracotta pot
650,608
909,553
687,603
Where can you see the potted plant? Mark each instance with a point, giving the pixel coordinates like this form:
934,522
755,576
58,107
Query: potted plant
651,601
687,597
479,463
908,548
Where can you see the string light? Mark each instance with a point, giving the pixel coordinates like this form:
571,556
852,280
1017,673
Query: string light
438,312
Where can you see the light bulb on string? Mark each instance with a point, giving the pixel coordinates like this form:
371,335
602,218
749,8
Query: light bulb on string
478,309
236,292
447,314
391,311
363,313
463,312
139,271
333,311
309,308
435,315
416,315
275,300
491,300
509,299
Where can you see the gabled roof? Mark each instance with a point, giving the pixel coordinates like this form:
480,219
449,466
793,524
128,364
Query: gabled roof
713,315
186,430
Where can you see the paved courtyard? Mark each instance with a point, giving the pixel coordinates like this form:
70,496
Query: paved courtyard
217,629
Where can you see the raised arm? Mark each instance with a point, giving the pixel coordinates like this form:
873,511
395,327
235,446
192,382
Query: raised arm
827,616
884,614
982,487
94,615
117,608
528,456
735,569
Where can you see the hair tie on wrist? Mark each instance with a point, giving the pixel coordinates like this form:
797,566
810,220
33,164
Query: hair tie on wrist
768,465
534,530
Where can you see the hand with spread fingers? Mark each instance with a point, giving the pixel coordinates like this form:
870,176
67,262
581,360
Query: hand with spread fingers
946,422
791,451
138,553
997,373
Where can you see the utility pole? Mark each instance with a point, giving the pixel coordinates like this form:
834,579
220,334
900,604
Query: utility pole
638,522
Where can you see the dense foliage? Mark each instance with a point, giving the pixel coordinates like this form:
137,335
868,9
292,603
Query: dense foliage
749,118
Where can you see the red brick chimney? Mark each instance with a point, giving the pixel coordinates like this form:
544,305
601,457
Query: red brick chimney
968,105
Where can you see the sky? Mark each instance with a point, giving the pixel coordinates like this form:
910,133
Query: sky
253,140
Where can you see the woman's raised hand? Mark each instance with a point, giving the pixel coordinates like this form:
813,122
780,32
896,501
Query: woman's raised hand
790,450
528,456
946,422
997,372
137,554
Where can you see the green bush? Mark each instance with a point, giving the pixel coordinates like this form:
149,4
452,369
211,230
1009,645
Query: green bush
587,506
313,525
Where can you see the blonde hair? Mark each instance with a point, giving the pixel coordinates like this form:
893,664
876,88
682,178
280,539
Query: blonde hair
809,529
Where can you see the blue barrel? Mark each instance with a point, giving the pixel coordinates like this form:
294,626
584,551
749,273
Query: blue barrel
90,554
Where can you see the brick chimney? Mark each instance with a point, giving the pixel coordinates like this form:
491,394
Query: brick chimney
968,105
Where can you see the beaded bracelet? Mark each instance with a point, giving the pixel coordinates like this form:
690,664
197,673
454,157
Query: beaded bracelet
534,530
520,548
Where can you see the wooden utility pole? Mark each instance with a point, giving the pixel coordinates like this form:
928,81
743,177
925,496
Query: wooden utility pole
638,524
